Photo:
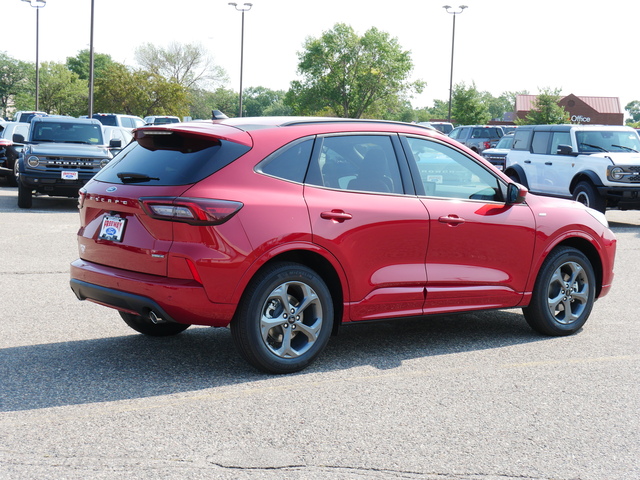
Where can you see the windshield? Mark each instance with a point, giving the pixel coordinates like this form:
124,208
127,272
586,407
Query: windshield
505,142
607,141
65,132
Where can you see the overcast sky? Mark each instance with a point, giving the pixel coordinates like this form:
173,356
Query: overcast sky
580,47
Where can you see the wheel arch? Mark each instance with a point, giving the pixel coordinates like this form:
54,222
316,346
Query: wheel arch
586,175
589,250
519,172
330,274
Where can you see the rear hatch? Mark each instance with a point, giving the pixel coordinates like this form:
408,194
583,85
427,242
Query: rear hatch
124,209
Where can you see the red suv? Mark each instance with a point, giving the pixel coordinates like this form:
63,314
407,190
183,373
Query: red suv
285,228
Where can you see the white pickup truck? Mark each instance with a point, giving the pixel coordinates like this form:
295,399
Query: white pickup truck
597,165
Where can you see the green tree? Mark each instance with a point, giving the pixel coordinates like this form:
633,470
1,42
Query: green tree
201,102
80,64
258,100
350,76
188,65
62,92
545,109
468,107
15,78
633,108
138,92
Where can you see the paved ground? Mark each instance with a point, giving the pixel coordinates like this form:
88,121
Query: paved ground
467,397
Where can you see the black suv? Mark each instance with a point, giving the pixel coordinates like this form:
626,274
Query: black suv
60,155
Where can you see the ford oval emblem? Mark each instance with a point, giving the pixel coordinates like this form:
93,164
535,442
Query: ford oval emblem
111,189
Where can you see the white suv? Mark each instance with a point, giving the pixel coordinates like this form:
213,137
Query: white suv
597,165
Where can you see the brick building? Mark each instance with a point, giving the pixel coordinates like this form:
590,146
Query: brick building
585,110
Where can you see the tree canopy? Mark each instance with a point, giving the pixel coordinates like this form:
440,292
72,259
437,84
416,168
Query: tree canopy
545,109
346,75
188,64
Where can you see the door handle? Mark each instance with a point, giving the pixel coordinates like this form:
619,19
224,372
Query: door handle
527,161
451,219
548,163
336,215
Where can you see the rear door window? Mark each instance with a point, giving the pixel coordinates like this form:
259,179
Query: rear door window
540,142
365,163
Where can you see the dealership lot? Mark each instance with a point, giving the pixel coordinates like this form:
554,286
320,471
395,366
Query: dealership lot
475,396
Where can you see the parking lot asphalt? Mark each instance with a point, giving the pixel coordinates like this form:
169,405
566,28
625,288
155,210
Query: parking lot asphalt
474,396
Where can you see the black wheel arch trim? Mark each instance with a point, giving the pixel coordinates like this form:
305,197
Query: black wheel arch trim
593,177
520,172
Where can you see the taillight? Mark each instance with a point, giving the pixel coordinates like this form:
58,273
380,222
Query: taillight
487,145
194,211
82,194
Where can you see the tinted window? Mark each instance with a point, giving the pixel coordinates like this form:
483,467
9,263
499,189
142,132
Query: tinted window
455,133
172,159
356,162
290,162
447,173
540,142
521,140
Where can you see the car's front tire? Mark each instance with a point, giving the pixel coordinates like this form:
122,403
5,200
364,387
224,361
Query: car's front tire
146,326
563,295
25,196
284,320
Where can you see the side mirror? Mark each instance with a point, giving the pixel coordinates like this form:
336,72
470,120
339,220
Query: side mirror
18,138
115,143
564,150
516,194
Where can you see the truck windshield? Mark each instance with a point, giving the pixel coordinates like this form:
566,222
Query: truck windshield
607,141
65,132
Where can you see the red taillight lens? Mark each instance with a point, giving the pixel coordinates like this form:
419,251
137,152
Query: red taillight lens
487,145
195,211
82,194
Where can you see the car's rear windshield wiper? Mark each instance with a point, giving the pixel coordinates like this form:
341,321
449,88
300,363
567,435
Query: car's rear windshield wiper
626,148
132,177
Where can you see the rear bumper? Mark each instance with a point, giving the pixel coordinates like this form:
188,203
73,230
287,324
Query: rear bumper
174,300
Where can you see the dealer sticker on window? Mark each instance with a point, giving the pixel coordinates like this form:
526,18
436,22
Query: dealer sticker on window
112,228
69,175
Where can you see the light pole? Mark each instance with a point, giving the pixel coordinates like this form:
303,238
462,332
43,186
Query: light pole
37,4
244,8
455,13
91,64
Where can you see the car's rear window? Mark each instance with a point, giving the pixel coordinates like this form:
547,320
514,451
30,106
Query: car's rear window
171,159
107,120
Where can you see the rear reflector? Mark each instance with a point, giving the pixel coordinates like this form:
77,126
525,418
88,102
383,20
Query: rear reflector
195,211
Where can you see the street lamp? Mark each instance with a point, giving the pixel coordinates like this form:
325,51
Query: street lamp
244,8
455,13
37,4
91,63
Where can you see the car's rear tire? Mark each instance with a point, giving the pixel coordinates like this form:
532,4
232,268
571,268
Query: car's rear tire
587,194
146,326
563,295
25,197
284,320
